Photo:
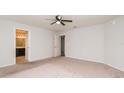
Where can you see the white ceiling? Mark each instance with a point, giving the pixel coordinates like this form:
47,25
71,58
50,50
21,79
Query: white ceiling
78,20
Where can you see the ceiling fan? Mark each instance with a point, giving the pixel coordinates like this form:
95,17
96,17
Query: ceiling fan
60,20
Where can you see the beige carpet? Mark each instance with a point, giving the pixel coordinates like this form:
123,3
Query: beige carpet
60,67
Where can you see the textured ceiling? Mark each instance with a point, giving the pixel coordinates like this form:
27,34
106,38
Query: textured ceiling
42,22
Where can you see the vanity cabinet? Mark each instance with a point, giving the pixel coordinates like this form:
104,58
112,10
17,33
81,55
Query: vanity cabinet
20,52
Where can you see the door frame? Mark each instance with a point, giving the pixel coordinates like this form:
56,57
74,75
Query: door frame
57,45
27,54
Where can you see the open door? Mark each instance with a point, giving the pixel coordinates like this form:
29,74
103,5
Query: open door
62,45
21,46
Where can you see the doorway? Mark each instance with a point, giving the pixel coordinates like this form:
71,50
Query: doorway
62,45
21,46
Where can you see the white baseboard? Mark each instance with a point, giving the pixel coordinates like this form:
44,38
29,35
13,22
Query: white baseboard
7,65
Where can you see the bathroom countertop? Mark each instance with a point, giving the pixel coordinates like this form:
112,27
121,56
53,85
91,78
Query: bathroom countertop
20,47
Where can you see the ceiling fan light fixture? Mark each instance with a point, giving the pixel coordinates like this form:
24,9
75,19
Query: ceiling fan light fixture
58,22
59,17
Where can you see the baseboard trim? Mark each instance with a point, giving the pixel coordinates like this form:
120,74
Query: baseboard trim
121,69
7,65
41,59
86,59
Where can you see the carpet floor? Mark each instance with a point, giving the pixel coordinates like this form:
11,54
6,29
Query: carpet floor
60,67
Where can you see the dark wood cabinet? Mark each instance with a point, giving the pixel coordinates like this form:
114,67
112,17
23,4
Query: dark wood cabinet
20,52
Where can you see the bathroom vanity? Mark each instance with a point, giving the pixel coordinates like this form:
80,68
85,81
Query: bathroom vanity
20,51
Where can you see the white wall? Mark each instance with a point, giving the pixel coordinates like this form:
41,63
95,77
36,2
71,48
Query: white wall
114,43
6,43
40,42
57,45
85,43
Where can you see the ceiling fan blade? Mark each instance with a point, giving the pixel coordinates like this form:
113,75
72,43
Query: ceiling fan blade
62,23
53,23
67,20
